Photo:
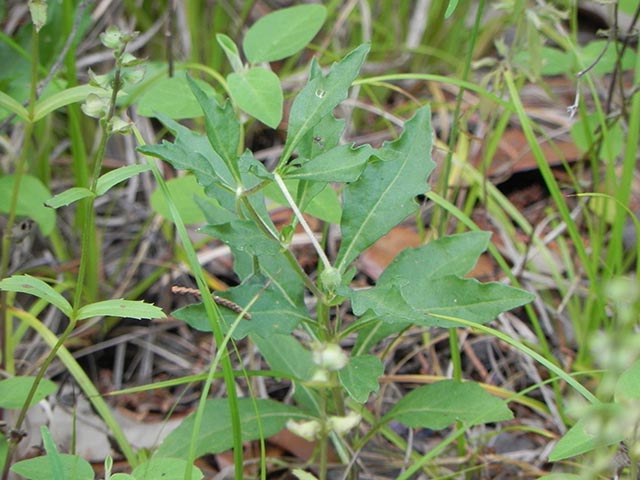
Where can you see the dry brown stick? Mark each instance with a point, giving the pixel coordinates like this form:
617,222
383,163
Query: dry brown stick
219,300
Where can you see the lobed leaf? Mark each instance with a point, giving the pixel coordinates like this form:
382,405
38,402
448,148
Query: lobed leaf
423,284
321,95
191,151
223,128
385,193
340,164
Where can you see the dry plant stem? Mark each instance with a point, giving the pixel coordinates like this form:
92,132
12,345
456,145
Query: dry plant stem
219,300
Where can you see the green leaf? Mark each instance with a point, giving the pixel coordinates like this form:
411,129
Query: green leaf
165,469
463,298
427,280
120,308
385,193
360,376
250,244
37,288
14,391
324,205
68,197
108,180
450,255
585,436
321,138
223,128
193,152
340,164
230,49
13,106
603,55
272,313
216,434
282,33
322,94
55,460
257,91
172,97
440,404
31,198
628,385
51,103
183,192
284,353
39,468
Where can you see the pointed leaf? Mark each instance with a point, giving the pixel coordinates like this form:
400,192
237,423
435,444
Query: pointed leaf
191,151
340,164
322,94
108,180
385,193
37,288
257,91
439,405
120,308
223,128
230,49
282,33
462,298
360,376
582,438
68,197
215,436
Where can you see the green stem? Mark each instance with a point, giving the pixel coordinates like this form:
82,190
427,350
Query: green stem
7,348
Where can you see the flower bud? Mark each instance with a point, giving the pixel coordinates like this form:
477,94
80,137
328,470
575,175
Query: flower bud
342,425
309,430
329,356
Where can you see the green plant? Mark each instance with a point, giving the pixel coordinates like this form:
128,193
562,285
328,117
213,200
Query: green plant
101,103
423,286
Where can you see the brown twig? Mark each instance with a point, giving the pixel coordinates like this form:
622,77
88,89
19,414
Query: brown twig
219,300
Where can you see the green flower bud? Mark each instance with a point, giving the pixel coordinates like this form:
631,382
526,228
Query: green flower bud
331,279
112,38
